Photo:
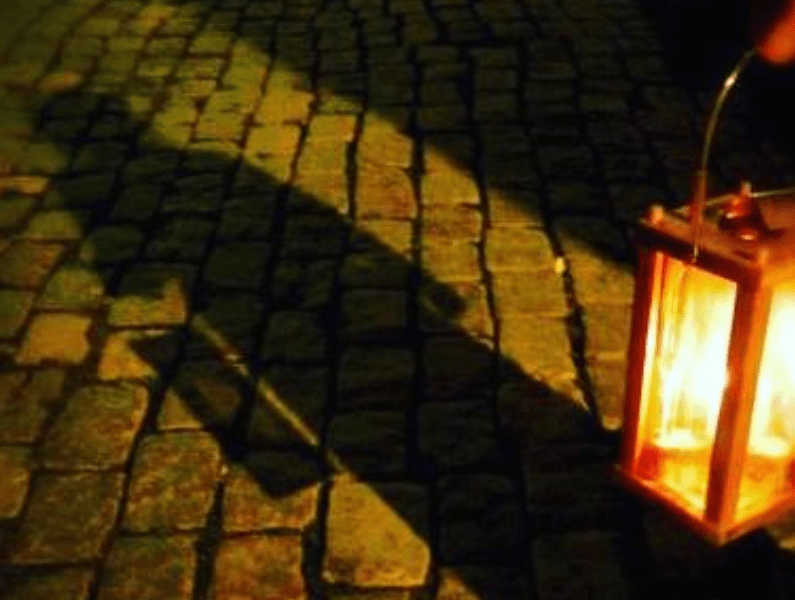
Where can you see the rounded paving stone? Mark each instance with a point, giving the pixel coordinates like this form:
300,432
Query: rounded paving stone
96,429
272,490
58,337
149,568
259,567
15,469
377,535
69,518
14,308
64,584
173,482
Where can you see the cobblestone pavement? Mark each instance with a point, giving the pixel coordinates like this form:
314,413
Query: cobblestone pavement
305,299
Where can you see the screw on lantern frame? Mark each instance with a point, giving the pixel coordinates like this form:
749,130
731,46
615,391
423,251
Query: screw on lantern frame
699,202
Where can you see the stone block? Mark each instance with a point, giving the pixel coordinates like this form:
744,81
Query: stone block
377,535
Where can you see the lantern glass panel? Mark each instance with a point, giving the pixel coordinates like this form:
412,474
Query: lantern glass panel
766,473
685,375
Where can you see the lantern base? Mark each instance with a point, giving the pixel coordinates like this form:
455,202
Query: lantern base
715,533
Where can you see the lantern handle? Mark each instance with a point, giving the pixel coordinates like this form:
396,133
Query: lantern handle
699,201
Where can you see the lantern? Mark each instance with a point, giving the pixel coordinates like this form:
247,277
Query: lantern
709,423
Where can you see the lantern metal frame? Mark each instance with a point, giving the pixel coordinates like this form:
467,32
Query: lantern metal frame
756,265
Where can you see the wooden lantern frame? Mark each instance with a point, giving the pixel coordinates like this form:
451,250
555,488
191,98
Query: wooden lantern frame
756,271
757,264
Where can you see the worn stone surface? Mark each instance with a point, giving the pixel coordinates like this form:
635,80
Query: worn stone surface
294,336
173,482
272,490
68,518
27,264
25,408
72,287
579,565
370,442
518,249
451,260
153,295
289,407
96,429
571,486
456,364
375,376
377,535
111,244
15,306
53,225
609,379
538,346
238,264
373,315
14,209
537,292
140,354
259,566
15,467
454,306
149,567
485,583
202,395
459,434
68,584
481,519
58,337
607,330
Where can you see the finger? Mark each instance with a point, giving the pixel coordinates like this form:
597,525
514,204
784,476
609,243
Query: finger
778,45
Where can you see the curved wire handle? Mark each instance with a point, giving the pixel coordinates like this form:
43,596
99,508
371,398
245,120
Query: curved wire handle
699,202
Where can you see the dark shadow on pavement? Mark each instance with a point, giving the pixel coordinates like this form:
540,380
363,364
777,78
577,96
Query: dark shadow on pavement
304,357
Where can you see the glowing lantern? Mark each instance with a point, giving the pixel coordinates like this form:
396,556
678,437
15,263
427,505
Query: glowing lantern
709,424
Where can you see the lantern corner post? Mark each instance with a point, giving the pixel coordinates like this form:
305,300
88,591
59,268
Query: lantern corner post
647,275
733,427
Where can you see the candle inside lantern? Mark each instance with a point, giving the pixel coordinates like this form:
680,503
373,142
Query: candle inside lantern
766,472
679,459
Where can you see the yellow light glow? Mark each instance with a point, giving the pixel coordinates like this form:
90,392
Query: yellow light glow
688,376
772,436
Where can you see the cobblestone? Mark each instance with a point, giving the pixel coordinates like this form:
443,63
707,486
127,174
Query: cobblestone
15,306
259,566
354,436
96,429
364,531
27,264
481,520
173,482
272,490
69,584
69,518
15,465
60,337
259,254
564,574
149,567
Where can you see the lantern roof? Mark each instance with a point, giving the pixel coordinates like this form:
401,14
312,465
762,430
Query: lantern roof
744,237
